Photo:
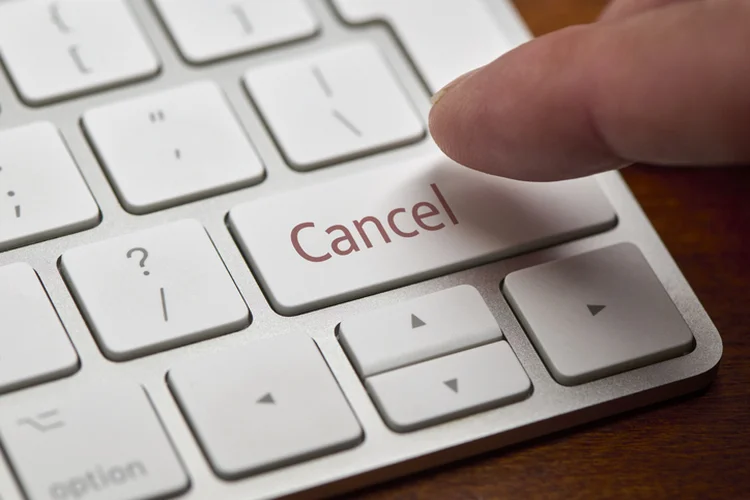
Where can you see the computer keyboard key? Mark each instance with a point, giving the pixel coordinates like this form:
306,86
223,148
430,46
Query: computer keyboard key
153,290
449,387
402,223
207,30
100,443
42,193
597,314
455,37
334,105
416,330
278,404
9,488
59,49
34,346
172,147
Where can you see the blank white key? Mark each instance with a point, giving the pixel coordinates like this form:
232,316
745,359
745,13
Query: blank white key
42,193
597,314
406,222
61,48
334,105
456,36
34,346
154,290
449,387
417,330
278,404
206,30
100,443
172,147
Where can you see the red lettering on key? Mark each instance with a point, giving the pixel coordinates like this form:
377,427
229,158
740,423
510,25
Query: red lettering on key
298,247
442,201
419,217
346,238
423,214
392,224
359,224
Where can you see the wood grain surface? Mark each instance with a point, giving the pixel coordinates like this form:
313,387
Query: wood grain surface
695,447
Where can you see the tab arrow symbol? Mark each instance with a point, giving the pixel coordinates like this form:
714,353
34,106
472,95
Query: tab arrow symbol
267,399
416,322
452,384
595,309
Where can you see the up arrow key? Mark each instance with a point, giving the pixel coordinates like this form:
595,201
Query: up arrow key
416,322
266,399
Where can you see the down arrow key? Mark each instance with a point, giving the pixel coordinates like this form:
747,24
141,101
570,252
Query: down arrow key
420,395
595,309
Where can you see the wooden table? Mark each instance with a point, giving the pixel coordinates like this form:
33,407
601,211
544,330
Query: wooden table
696,447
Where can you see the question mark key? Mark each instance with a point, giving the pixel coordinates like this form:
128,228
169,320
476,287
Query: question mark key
143,253
153,290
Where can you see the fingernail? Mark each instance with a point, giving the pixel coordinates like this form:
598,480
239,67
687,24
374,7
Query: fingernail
450,86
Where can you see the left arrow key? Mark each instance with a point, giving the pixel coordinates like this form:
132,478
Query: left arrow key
239,432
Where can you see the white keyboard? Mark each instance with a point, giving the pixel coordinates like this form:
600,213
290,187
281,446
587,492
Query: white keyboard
233,265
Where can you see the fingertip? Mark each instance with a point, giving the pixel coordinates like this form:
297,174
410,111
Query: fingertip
660,88
461,121
444,117
487,120
525,115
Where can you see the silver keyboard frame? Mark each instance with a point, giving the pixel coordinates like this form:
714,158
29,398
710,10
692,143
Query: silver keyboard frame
383,454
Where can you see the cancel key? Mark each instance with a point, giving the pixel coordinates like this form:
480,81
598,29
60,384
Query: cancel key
369,232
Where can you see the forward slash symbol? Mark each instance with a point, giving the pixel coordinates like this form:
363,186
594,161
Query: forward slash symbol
354,130
164,304
41,421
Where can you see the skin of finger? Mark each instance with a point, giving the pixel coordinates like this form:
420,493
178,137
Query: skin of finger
668,86
452,85
620,9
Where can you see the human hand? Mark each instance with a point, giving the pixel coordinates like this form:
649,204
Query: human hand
653,81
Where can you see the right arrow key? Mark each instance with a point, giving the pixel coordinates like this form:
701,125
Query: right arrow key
416,322
597,314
